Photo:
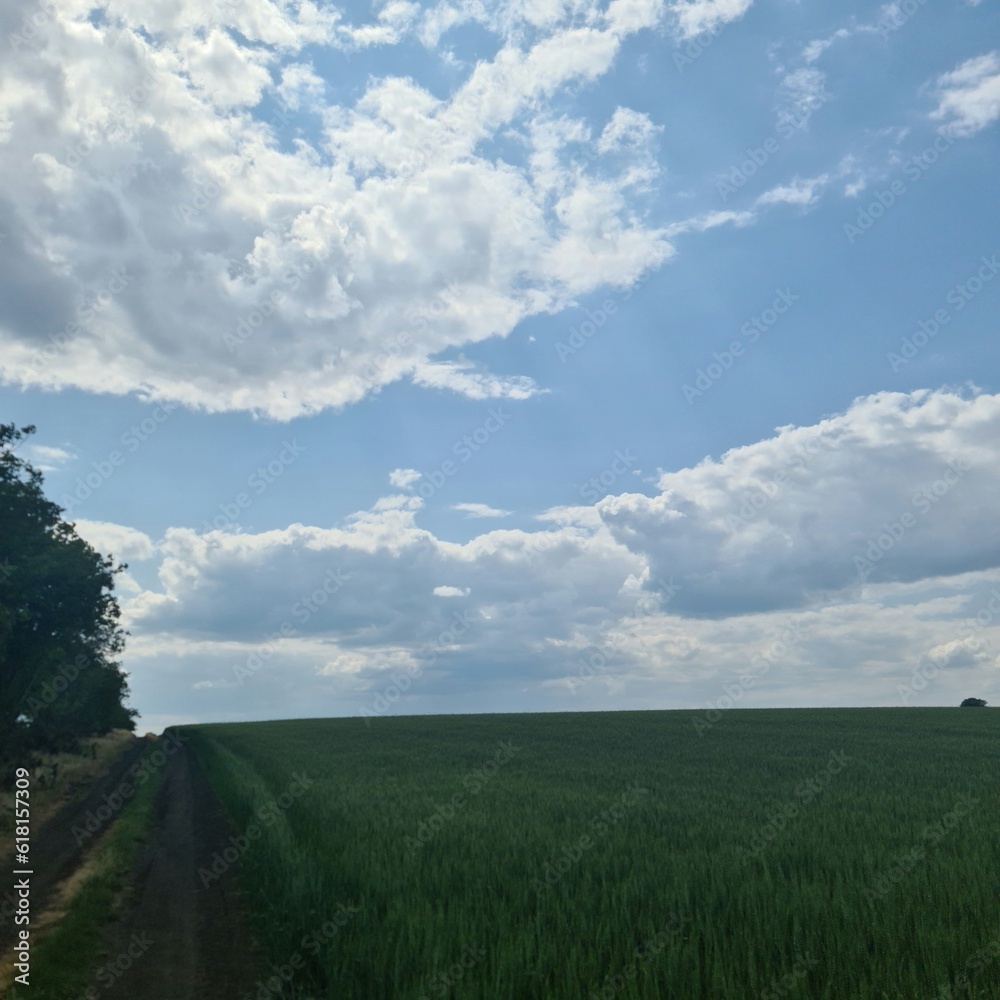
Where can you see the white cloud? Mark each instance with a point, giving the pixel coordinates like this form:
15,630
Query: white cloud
754,555
458,377
395,20
802,91
959,653
627,128
300,85
46,458
710,220
816,48
480,510
970,94
697,16
237,272
117,540
403,478
227,74
800,191
626,16
814,512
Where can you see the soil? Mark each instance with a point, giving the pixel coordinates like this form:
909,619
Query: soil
172,938
55,852
188,941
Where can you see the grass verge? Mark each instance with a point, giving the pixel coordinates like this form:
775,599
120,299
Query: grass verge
63,959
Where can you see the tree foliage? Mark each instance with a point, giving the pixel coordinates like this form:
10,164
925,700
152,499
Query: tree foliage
59,630
973,703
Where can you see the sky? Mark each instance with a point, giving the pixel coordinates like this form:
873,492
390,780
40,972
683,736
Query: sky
522,356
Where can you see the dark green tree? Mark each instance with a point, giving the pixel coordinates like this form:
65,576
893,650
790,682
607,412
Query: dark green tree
59,630
973,703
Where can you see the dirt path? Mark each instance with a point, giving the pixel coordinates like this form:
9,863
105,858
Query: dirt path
178,939
56,852
173,939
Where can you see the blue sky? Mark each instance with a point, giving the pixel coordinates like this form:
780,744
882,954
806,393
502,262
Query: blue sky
515,357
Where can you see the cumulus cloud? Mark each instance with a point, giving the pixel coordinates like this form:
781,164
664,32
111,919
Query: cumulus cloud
300,85
862,548
969,96
697,16
123,544
355,603
170,239
895,489
959,653
403,478
117,540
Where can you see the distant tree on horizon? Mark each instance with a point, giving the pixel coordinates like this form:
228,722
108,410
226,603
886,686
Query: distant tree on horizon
973,703
59,628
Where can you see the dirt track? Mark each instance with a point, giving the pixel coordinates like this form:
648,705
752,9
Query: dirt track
172,939
55,852
188,942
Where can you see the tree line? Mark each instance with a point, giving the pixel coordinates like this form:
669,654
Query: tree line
59,621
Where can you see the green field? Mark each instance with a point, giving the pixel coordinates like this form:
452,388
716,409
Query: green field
848,854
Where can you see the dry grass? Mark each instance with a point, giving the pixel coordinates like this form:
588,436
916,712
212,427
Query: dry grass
75,772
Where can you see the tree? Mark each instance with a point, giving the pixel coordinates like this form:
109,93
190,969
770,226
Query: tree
59,626
973,703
